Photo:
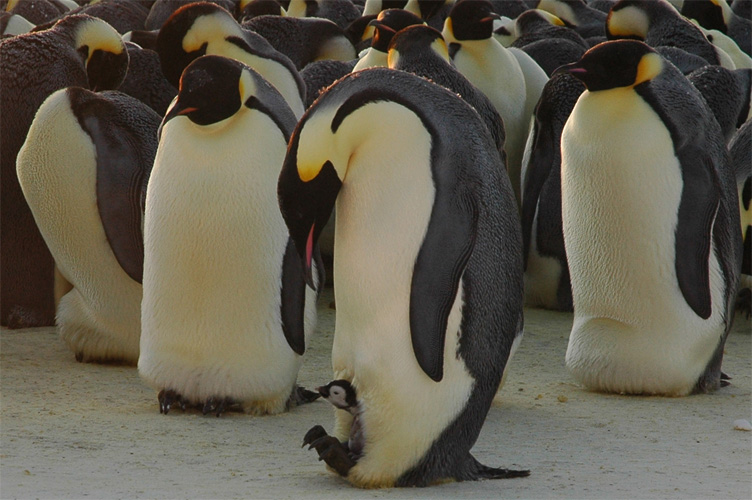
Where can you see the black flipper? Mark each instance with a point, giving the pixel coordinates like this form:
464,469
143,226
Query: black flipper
446,249
697,210
538,169
125,146
293,299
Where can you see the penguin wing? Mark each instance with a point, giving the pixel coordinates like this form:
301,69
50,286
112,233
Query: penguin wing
538,169
124,160
697,212
442,258
293,299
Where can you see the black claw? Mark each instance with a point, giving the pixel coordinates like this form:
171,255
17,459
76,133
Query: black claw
167,398
217,405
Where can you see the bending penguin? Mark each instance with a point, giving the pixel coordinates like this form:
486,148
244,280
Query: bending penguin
651,227
83,170
77,51
428,274
225,313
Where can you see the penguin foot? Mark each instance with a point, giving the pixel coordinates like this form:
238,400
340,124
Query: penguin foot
725,379
334,453
217,405
313,434
167,398
301,395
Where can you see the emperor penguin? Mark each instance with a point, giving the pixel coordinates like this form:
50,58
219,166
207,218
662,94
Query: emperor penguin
496,71
740,151
341,12
421,50
588,22
718,15
161,10
83,169
77,51
659,24
651,227
386,24
225,313
427,274
547,281
203,28
303,40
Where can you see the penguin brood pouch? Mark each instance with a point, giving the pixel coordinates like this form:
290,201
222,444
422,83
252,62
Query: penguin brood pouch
428,274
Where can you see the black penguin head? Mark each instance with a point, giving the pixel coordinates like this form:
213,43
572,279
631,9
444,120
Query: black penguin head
416,41
187,33
101,48
340,393
211,90
471,20
308,187
388,23
619,63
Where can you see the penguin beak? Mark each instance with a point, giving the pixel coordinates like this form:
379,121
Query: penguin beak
306,206
175,109
573,69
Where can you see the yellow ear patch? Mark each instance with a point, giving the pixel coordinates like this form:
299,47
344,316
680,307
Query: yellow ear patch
11,4
629,21
648,68
440,47
448,31
246,86
392,58
209,28
98,35
308,172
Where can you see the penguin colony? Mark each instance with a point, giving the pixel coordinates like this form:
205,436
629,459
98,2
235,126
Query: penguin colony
169,171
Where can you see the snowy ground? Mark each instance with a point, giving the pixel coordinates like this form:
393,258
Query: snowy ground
70,430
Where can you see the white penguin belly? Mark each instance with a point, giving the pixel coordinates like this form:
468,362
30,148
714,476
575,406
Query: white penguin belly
633,330
214,241
380,229
100,317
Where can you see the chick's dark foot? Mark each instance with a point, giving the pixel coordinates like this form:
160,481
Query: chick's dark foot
167,398
313,434
334,453
217,405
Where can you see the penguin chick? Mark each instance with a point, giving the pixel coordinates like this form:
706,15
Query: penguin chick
651,227
78,50
203,28
83,169
219,327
